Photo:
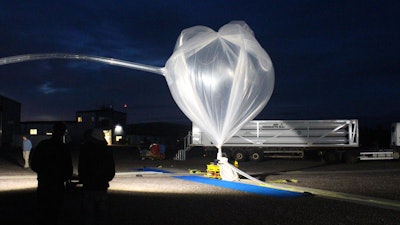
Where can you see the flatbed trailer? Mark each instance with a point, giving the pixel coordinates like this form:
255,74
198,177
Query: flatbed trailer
333,140
260,139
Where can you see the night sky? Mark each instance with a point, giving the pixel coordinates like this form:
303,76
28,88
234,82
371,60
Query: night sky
332,59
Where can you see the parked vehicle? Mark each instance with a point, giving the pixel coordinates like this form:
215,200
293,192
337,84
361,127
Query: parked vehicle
383,154
333,140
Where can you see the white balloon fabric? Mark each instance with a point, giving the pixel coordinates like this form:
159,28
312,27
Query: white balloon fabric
220,80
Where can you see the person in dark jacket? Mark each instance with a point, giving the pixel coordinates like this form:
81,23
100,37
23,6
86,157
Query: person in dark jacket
95,170
52,162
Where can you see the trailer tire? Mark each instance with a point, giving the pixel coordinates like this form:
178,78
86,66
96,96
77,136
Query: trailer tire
226,154
396,155
257,156
239,155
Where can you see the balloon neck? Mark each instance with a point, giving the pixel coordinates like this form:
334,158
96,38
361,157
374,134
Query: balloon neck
219,154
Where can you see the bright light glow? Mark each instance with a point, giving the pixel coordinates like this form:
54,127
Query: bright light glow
107,136
118,129
142,182
118,138
136,182
33,131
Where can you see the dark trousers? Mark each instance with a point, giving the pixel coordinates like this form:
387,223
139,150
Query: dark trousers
94,206
50,202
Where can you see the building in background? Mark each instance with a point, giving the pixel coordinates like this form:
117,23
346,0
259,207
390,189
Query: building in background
10,115
41,130
113,123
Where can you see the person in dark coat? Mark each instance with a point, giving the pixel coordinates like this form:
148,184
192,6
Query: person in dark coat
52,162
95,170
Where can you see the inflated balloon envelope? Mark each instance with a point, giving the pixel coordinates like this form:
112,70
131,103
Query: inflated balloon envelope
220,80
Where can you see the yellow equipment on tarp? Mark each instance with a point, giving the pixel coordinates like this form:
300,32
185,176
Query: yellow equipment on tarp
213,169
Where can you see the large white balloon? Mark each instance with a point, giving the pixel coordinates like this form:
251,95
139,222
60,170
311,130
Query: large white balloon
220,80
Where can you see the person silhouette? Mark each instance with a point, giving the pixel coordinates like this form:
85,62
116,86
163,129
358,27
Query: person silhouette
52,162
96,168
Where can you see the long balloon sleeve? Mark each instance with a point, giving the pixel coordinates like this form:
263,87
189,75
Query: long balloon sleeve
110,61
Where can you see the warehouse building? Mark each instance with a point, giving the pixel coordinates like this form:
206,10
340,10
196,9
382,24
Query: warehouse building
10,115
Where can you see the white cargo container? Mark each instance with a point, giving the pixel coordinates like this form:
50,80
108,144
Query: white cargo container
286,139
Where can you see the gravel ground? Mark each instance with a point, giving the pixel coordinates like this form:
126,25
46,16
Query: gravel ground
162,199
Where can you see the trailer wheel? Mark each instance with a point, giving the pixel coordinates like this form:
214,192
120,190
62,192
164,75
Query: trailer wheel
226,154
257,156
239,156
396,155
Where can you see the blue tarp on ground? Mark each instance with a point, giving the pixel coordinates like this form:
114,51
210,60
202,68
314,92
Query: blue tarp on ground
243,187
152,170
